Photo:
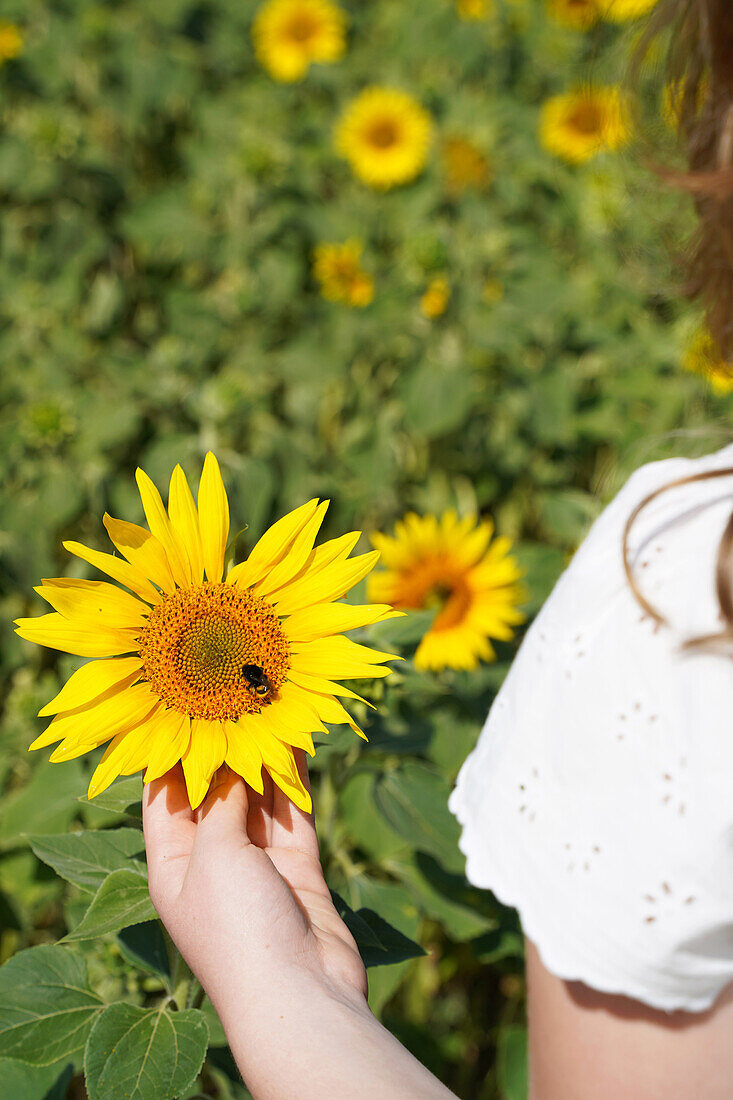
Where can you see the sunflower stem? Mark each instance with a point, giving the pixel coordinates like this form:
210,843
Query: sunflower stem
173,957
182,985
195,993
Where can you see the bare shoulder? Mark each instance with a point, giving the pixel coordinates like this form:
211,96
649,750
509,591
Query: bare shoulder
589,1045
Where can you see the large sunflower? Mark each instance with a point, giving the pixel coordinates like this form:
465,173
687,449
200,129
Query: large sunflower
289,35
200,666
384,133
453,565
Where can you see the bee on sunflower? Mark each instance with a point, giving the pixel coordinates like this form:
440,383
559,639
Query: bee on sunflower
194,663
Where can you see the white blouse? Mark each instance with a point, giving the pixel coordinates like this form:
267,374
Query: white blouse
599,798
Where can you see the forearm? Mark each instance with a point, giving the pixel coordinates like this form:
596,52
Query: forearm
304,1039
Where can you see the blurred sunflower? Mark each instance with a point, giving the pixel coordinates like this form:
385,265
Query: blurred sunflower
435,299
623,11
291,34
464,165
474,9
337,267
581,14
236,668
11,41
703,356
577,125
453,565
384,134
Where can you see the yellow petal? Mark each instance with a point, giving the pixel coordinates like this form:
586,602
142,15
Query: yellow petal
292,785
339,657
185,522
94,601
327,584
333,550
293,709
296,556
205,753
141,550
70,748
213,518
120,571
274,752
330,710
125,755
272,545
56,632
243,756
160,527
324,686
322,619
90,681
169,739
118,709
337,647
285,726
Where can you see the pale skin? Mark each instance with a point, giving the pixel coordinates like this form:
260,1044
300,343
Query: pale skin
239,886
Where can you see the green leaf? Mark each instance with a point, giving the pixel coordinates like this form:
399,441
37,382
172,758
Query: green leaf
414,800
24,1082
122,797
364,824
442,896
542,566
46,805
512,1063
405,631
144,1053
87,858
568,514
144,946
121,900
436,398
379,943
46,1005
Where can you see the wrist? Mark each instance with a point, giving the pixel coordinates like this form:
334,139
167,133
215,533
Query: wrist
245,996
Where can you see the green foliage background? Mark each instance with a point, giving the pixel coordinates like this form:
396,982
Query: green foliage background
161,198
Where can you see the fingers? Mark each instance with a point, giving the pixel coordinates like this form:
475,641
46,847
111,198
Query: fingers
169,830
291,827
259,822
223,814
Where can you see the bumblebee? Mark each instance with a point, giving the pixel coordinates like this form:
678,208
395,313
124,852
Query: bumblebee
257,680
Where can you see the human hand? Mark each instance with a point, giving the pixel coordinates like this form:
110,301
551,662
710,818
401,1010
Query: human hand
239,886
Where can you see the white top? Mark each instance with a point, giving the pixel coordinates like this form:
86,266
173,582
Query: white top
599,798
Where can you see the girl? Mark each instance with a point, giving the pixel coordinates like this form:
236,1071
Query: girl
598,800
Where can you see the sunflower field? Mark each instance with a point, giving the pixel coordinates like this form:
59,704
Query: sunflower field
405,258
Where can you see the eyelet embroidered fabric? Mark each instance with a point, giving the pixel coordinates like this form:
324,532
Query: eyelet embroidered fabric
599,798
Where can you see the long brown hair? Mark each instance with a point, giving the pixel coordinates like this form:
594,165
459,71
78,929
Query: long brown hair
699,75
723,565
